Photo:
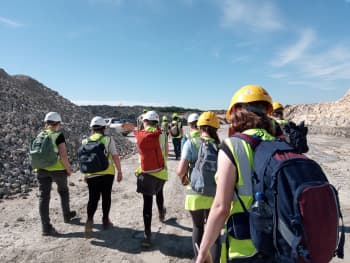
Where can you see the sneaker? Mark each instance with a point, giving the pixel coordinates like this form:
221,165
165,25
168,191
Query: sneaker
107,224
49,231
162,215
146,242
88,228
70,215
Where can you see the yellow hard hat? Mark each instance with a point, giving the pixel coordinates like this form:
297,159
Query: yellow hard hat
175,115
249,93
277,105
208,118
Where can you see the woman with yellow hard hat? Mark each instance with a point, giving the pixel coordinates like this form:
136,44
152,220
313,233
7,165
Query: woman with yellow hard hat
277,113
199,204
248,113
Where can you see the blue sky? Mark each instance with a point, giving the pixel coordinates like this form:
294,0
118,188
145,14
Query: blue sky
189,53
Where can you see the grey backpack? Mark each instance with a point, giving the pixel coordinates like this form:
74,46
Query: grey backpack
41,151
202,176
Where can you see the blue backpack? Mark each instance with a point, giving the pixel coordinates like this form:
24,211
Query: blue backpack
92,156
304,206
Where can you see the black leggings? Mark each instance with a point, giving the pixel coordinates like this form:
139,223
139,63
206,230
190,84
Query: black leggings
199,219
147,209
99,185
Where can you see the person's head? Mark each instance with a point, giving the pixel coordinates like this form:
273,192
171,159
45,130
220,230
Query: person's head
209,123
98,125
164,118
53,120
151,118
192,120
144,111
277,110
249,108
175,116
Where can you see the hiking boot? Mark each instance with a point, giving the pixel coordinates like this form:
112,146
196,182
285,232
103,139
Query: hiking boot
107,224
146,241
162,215
70,215
88,228
49,231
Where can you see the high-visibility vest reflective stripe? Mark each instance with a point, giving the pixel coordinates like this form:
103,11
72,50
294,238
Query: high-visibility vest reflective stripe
243,156
106,140
193,200
282,122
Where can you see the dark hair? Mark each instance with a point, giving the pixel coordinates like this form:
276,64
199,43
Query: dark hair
212,132
193,124
52,123
99,129
243,119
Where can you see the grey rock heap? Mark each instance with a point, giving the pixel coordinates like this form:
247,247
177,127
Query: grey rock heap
23,105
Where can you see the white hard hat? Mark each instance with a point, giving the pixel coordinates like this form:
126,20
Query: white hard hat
98,121
193,117
53,116
151,116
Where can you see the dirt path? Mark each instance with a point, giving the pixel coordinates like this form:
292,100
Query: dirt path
21,240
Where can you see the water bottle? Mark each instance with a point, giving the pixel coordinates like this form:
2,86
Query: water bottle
262,213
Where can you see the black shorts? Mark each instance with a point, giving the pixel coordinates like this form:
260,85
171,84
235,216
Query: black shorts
148,184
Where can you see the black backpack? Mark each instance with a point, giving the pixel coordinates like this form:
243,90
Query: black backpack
304,211
92,156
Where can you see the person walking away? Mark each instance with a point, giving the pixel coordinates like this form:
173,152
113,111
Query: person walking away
165,125
57,172
100,183
278,120
248,113
277,113
139,122
176,132
199,204
194,132
152,172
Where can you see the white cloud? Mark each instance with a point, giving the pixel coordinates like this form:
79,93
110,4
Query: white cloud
254,14
295,51
10,22
327,65
332,64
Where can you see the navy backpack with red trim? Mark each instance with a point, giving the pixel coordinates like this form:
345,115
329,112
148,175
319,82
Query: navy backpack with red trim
305,206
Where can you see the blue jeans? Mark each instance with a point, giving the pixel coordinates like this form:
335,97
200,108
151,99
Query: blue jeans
177,147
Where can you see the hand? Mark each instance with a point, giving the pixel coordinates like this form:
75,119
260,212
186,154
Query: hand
69,172
119,176
185,180
204,259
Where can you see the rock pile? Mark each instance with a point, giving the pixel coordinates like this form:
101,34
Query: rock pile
332,118
23,105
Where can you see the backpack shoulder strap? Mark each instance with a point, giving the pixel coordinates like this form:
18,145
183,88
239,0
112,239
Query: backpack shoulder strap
253,141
